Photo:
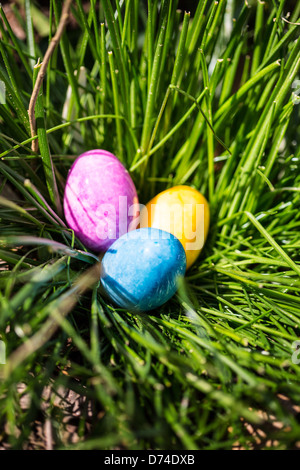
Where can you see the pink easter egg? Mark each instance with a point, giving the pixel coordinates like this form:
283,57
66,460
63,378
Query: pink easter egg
100,199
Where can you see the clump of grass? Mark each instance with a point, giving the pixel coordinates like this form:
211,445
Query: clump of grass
208,100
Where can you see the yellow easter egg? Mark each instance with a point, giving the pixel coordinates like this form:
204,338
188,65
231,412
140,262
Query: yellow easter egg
182,211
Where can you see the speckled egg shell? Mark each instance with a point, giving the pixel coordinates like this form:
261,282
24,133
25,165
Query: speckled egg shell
98,195
183,211
140,271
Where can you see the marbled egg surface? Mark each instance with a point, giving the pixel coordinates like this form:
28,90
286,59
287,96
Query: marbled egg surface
100,200
183,211
140,271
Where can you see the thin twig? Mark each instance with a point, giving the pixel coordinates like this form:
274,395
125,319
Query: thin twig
42,71
48,434
289,22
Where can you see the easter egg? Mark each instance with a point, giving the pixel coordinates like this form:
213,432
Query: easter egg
182,211
140,271
100,199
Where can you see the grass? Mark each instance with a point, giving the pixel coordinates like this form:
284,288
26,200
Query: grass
207,99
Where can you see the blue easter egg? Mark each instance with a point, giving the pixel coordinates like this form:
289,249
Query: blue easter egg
140,270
